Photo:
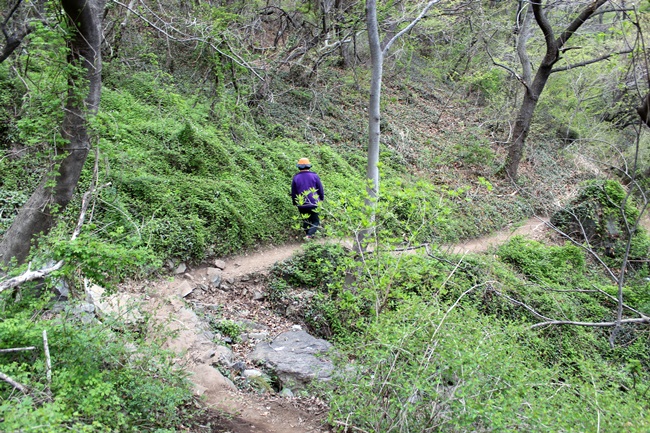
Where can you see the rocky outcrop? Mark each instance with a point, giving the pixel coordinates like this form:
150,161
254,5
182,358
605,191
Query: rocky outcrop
296,358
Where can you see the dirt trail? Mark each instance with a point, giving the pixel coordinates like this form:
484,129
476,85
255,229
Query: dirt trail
174,308
534,228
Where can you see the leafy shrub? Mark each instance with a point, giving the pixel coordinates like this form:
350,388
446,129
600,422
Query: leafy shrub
102,262
429,367
102,380
543,264
229,328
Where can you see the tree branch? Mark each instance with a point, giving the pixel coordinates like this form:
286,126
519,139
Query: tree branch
412,24
589,62
17,349
580,20
507,68
20,387
549,322
640,320
190,38
14,40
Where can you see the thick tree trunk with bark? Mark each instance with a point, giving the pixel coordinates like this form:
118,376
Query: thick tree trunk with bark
37,215
524,119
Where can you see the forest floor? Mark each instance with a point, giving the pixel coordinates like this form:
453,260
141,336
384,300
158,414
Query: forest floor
227,408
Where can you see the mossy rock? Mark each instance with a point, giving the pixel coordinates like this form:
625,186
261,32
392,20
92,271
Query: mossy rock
602,216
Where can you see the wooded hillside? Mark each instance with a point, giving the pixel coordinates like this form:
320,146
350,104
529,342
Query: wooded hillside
136,136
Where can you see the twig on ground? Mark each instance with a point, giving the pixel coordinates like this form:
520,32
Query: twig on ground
347,427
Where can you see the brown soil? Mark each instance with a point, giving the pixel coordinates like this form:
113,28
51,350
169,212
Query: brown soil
229,409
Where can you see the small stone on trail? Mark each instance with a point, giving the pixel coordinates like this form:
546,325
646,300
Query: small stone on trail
184,289
180,269
214,275
252,373
220,264
257,336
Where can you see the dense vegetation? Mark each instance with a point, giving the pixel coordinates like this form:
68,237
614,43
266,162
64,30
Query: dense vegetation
195,147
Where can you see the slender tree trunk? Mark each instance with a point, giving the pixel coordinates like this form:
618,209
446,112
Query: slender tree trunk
374,114
37,215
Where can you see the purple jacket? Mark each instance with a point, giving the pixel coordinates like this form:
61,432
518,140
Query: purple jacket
306,184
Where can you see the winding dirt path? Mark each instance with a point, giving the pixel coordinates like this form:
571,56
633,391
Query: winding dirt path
173,305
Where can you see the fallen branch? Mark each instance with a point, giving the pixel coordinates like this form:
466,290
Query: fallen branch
347,427
640,320
550,322
29,276
17,349
20,387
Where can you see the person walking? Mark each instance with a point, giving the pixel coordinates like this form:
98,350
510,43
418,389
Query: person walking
306,193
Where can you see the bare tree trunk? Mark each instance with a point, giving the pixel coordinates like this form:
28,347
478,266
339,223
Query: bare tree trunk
37,215
644,110
377,53
374,114
534,90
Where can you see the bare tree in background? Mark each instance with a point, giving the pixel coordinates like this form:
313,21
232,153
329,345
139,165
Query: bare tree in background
534,86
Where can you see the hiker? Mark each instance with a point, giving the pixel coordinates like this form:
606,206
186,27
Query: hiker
306,193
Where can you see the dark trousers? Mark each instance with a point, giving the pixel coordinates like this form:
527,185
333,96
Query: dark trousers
310,221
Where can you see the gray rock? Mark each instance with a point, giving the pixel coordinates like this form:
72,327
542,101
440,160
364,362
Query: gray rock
286,392
61,290
249,324
258,296
119,305
296,357
220,264
223,355
84,312
207,356
258,336
180,269
184,289
214,276
248,373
